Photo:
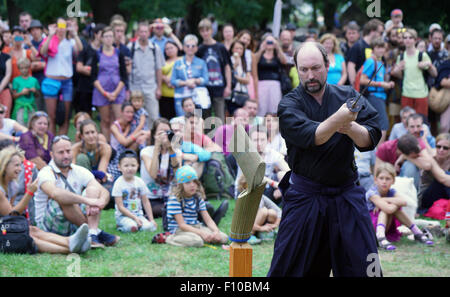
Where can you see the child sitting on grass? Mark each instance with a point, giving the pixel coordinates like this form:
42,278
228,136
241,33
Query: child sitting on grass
385,205
24,88
183,208
130,194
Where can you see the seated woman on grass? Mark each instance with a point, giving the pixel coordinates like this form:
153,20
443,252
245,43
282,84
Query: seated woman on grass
130,194
90,152
123,138
44,242
183,208
385,207
78,119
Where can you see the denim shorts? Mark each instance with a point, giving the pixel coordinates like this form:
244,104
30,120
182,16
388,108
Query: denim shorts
51,88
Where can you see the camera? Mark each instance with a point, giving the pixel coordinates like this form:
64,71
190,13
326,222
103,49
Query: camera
269,42
170,134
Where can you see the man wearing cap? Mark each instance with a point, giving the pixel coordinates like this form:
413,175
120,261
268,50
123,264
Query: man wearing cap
325,224
37,67
162,34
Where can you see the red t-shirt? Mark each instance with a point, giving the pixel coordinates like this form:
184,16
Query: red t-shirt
387,151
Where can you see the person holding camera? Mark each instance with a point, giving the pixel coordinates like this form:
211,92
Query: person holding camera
163,33
269,60
159,162
59,48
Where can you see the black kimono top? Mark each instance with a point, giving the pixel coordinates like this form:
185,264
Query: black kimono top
332,163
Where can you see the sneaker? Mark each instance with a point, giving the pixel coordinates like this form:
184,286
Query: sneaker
254,240
266,235
422,238
108,239
77,240
86,245
95,242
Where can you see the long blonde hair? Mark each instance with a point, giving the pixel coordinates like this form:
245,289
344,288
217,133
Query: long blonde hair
6,155
178,191
336,49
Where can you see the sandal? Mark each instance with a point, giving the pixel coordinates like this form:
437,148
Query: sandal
387,246
423,238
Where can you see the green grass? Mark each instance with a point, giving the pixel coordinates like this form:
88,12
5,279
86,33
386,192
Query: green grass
135,255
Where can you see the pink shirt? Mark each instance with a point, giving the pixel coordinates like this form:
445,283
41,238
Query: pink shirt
387,151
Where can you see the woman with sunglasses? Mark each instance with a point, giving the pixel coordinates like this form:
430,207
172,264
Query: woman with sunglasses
9,128
37,142
435,184
188,73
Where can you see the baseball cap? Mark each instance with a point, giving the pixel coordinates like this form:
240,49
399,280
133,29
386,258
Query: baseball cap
396,11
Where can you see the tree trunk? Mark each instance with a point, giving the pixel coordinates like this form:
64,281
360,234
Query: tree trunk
329,10
194,15
314,20
104,9
13,13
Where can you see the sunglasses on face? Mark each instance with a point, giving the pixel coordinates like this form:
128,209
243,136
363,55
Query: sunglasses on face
190,45
2,111
445,148
60,137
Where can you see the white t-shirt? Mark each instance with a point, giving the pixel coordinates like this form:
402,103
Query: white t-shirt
8,126
61,63
131,193
278,144
153,187
78,178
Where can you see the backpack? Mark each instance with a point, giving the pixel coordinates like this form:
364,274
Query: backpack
217,179
357,84
15,235
420,57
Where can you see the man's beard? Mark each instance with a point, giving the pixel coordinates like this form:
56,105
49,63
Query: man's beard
61,163
313,89
393,43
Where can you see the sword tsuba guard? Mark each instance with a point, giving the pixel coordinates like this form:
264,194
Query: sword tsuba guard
354,107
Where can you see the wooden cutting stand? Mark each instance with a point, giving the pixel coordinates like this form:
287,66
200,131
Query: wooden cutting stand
247,203
241,259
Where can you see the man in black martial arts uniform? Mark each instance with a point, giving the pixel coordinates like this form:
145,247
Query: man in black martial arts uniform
325,223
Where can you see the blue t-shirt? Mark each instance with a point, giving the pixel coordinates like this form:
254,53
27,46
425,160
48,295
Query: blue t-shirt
368,69
335,72
374,191
189,211
161,42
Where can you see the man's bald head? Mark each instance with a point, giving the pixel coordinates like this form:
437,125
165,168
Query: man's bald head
310,48
311,60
